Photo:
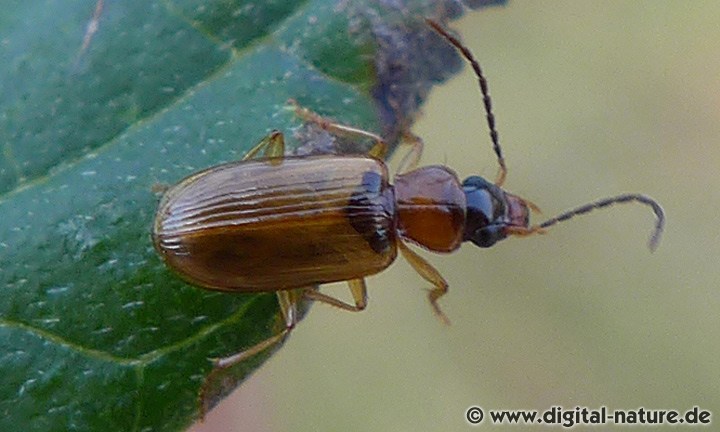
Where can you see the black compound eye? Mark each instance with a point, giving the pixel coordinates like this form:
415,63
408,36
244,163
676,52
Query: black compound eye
487,236
484,212
476,182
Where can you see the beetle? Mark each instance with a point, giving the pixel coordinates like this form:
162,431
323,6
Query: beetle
285,224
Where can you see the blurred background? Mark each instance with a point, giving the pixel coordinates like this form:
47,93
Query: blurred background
592,99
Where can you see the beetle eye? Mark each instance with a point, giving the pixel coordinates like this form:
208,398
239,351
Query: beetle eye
487,236
484,213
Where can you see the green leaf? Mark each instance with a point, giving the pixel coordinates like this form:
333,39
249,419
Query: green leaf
99,103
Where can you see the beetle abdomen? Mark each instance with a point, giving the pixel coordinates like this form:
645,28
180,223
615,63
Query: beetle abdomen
281,224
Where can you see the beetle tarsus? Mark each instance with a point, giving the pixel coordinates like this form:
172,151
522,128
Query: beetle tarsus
433,296
378,151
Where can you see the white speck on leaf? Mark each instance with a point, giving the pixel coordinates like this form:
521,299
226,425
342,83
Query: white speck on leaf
133,305
57,290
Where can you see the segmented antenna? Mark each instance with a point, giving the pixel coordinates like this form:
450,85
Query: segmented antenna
502,172
606,202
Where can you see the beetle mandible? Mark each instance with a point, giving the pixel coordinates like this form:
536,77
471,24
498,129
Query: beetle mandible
271,223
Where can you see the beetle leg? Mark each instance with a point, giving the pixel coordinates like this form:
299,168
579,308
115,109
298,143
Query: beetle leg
358,290
288,301
378,151
410,161
288,307
430,274
272,146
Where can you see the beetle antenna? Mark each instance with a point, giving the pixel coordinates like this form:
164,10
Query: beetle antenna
642,199
502,172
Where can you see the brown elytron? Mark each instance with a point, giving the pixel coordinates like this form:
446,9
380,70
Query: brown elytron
260,226
285,224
